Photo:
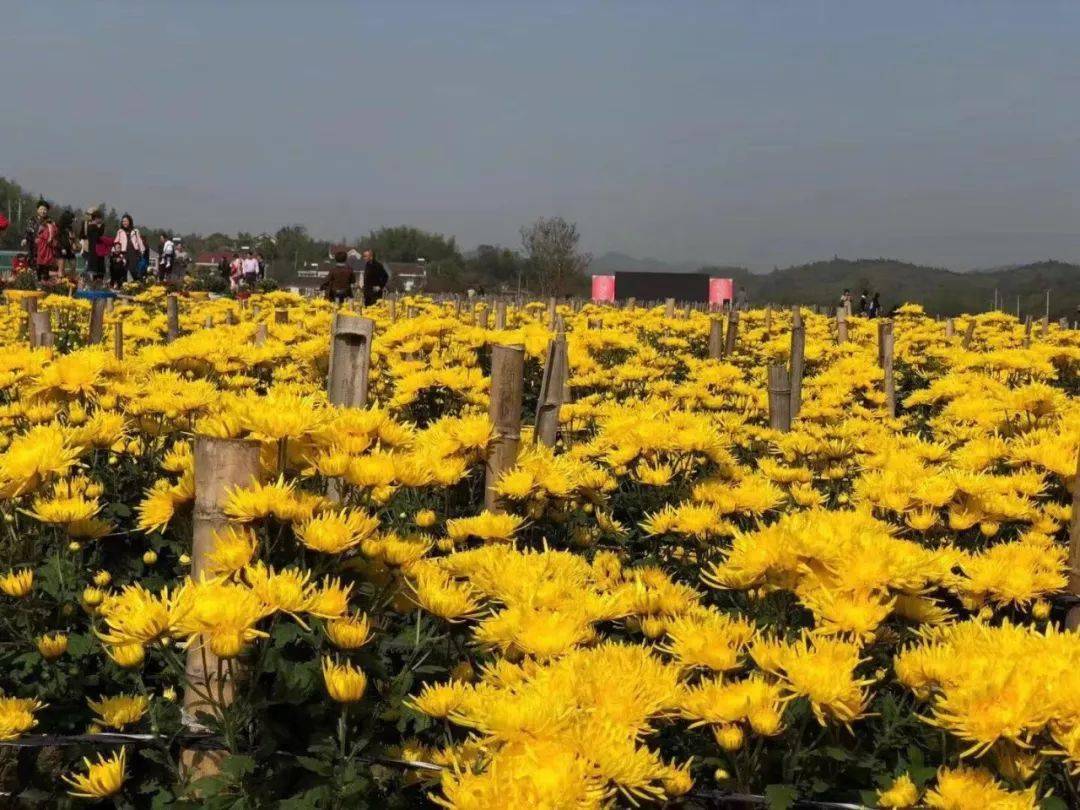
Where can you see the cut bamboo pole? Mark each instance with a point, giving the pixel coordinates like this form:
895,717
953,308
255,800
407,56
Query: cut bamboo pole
887,368
209,322
118,339
950,327
1072,619
552,312
552,390
220,465
732,333
172,312
507,384
798,359
881,343
231,317
969,334
779,397
768,320
841,324
41,335
391,305
716,337
350,360
482,315
260,335
97,322
500,314
1027,332
669,308
281,315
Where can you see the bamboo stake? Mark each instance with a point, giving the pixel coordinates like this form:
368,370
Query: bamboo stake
281,315
779,397
798,359
768,320
841,324
716,337
172,311
118,340
950,328
482,315
507,384
500,314
887,368
552,390
732,333
1027,332
41,335
350,360
260,335
669,308
220,465
97,322
969,334
552,309
1072,619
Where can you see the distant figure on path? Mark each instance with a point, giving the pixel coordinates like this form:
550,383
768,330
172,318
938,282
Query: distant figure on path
132,248
250,269
93,231
46,247
864,302
375,278
30,232
845,300
65,245
339,282
166,258
875,306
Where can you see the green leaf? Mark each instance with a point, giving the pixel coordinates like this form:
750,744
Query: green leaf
316,766
238,766
780,797
837,753
1053,803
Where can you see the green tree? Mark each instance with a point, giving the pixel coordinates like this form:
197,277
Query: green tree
556,265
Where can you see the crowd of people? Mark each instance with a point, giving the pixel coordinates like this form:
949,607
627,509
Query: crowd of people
51,248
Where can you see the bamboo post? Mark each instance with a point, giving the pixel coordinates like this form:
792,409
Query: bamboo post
391,305
669,308
779,397
887,368
768,320
507,384
1045,327
631,302
552,310
482,315
1072,618
552,390
1027,332
97,321
798,359
260,335
118,339
231,318
209,322
41,334
220,465
732,333
950,327
281,315
500,314
881,326
969,334
716,337
350,360
172,311
841,324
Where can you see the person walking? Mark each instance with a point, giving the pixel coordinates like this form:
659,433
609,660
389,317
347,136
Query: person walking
46,248
29,237
339,281
875,306
375,278
166,257
132,248
864,302
65,245
250,269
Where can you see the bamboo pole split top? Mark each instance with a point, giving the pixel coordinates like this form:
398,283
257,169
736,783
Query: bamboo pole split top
118,339
97,321
500,314
841,324
669,308
716,337
507,385
779,397
798,359
350,360
172,313
732,333
552,389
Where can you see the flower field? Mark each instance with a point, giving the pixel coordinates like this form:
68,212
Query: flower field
674,604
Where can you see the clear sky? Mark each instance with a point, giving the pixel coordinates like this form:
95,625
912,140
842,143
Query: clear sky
749,132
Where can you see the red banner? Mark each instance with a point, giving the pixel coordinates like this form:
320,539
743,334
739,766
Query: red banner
603,289
721,290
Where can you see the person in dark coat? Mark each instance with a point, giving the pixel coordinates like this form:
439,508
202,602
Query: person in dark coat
339,282
93,231
375,278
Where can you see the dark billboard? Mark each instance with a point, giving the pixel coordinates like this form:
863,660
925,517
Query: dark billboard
658,286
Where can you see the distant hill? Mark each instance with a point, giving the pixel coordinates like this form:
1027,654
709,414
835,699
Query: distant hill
940,291
612,262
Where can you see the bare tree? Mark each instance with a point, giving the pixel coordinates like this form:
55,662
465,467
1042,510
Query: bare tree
552,247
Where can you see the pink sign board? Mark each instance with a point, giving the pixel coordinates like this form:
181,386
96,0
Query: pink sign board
603,288
721,290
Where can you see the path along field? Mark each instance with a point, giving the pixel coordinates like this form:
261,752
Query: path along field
674,603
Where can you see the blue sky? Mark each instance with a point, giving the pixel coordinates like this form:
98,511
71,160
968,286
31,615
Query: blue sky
760,133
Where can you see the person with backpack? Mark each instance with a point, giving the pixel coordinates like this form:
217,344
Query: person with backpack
132,248
166,257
